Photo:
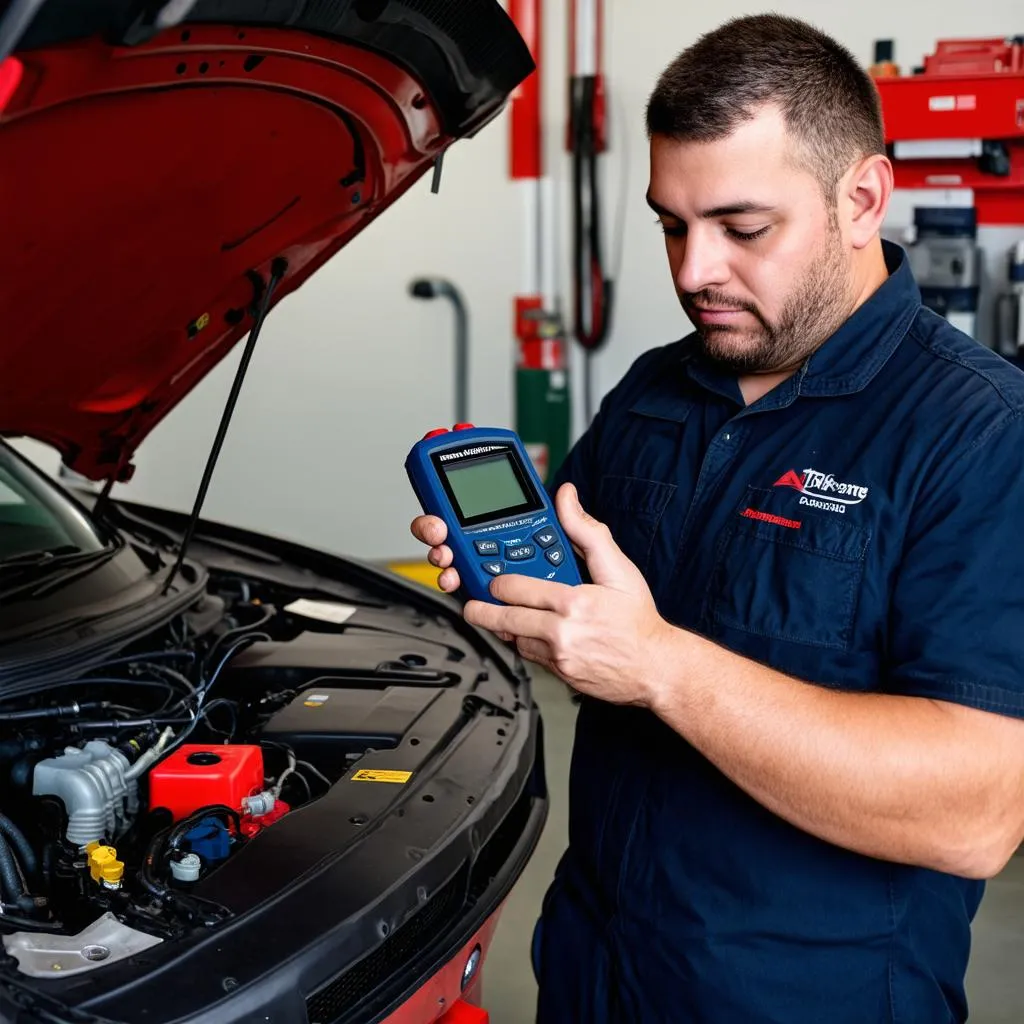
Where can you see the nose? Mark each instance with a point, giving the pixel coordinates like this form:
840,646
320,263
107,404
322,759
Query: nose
702,262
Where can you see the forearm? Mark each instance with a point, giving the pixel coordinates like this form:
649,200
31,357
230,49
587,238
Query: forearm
899,778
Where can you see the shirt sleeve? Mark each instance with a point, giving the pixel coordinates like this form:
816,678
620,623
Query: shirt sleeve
957,612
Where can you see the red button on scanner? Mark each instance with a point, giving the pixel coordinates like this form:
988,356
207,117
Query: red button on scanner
435,433
463,426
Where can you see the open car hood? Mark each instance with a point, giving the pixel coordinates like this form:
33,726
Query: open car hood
151,174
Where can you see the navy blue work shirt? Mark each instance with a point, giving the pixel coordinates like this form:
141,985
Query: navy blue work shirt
859,527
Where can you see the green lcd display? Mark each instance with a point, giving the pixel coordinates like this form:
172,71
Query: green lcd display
485,488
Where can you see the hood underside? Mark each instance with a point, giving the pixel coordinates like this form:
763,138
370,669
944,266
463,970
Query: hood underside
150,178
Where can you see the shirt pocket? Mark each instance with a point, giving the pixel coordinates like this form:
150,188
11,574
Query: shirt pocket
787,572
631,508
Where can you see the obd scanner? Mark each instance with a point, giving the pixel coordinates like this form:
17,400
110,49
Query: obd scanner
481,482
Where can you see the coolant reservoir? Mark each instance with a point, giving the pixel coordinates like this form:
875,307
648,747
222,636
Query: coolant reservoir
195,776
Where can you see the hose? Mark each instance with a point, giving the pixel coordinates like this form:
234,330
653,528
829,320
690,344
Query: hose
591,287
150,756
11,882
19,923
170,838
146,877
179,831
16,838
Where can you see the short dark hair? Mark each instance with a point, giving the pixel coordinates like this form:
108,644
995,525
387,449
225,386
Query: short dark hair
828,100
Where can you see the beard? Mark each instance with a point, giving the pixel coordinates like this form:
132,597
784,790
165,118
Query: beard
814,310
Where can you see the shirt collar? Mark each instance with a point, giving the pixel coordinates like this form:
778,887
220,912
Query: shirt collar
850,358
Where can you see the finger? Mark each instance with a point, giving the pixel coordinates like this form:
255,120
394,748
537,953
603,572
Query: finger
430,530
605,561
520,622
528,592
449,581
441,556
536,651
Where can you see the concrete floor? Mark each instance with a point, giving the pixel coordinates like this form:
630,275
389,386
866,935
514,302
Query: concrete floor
995,980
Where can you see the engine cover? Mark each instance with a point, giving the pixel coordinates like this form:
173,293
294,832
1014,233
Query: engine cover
329,726
196,776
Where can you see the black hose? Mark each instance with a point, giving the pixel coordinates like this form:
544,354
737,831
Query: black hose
591,288
167,840
184,826
16,838
146,875
17,923
267,612
10,878
11,882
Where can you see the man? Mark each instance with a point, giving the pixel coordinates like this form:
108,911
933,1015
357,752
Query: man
800,749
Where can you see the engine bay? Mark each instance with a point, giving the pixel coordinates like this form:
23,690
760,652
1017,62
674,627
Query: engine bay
126,787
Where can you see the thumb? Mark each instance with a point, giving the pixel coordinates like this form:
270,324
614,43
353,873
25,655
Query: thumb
607,564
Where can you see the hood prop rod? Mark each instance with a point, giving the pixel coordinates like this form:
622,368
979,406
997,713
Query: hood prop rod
277,271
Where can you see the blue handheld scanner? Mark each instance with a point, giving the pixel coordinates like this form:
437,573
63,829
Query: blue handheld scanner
481,482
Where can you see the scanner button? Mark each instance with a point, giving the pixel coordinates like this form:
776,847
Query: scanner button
494,568
463,426
545,538
520,553
555,555
486,547
434,433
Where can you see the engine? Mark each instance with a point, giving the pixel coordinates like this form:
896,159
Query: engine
97,784
123,788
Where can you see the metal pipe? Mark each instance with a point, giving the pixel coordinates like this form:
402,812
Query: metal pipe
436,287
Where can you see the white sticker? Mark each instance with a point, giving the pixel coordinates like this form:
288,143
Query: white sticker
321,698
323,611
942,103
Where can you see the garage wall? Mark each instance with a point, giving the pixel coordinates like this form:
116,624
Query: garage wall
350,370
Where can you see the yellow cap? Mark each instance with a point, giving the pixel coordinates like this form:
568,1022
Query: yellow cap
104,865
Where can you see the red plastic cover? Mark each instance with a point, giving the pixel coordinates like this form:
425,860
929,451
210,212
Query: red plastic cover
196,776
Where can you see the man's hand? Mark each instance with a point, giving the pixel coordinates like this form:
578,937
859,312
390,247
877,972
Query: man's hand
433,532
607,639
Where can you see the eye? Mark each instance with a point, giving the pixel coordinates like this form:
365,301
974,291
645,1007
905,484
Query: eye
748,236
671,230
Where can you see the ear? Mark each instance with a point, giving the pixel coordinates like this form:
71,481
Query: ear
867,189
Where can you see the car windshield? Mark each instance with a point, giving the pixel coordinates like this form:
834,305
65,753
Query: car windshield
35,518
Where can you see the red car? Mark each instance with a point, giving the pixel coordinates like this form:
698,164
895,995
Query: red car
240,779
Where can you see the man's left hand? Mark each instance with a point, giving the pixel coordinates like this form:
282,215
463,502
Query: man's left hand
605,640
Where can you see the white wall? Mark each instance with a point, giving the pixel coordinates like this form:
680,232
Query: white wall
350,371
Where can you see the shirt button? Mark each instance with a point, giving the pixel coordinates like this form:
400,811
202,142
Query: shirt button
728,436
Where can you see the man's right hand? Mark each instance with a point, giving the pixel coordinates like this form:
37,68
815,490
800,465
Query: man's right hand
433,532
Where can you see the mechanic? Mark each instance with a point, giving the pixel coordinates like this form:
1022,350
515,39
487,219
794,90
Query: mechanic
799,750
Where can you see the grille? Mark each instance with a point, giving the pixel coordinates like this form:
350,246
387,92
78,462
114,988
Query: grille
342,995
350,988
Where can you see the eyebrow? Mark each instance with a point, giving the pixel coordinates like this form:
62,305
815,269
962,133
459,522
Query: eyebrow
731,210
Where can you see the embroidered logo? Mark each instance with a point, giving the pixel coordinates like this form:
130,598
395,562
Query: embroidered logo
823,490
767,517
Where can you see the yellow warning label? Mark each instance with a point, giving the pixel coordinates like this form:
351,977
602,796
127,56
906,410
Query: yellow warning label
374,775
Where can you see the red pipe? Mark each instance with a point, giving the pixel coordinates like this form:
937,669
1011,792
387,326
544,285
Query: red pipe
525,142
